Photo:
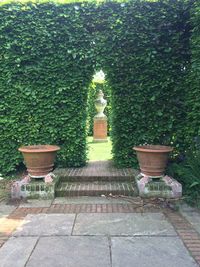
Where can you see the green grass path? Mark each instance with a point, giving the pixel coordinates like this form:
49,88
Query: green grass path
99,151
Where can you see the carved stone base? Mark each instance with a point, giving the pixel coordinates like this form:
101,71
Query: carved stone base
163,186
34,188
100,129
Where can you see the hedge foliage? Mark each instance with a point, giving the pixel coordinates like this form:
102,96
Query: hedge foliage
145,59
49,53
46,66
192,132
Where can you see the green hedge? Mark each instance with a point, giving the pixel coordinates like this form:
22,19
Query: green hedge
145,59
46,66
48,54
192,132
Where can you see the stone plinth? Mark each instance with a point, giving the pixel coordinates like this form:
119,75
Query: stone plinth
163,186
100,129
34,188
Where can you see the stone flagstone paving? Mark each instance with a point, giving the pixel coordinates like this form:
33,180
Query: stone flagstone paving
46,224
150,251
96,240
113,224
108,231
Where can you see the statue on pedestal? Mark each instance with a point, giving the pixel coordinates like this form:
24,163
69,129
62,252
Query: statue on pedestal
100,119
100,104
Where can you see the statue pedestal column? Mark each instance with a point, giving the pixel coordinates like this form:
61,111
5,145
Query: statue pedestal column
100,120
100,129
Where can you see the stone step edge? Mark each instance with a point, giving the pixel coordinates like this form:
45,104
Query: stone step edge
86,178
93,193
96,183
91,189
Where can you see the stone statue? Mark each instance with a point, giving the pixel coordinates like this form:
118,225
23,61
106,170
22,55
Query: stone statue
100,120
100,104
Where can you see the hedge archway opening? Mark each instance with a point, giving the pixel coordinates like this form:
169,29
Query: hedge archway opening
48,54
99,150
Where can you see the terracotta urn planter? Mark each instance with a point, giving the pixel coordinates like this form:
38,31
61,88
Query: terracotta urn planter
153,159
39,159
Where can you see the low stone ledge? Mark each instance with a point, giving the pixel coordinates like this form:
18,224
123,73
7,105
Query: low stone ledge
29,188
162,186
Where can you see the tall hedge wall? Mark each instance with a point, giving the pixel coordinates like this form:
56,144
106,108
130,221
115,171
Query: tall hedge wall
48,54
46,65
193,82
145,59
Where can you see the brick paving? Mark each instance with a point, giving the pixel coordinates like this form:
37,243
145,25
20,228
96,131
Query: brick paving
189,236
97,169
96,179
95,188
183,228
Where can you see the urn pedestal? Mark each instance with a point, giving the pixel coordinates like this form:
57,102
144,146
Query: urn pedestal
100,130
100,120
152,181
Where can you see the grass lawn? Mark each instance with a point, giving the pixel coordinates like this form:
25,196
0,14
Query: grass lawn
99,151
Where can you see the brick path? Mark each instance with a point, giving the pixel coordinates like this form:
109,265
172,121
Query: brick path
96,168
96,179
184,229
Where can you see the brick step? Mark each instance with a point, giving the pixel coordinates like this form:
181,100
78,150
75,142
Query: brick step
97,188
91,179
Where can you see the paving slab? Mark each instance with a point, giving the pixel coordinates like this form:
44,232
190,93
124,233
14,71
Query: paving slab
191,214
184,207
6,209
194,218
150,251
46,225
92,200
71,252
8,225
16,251
123,224
36,203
